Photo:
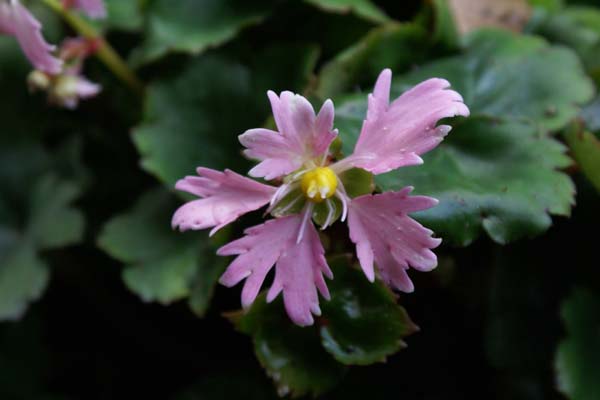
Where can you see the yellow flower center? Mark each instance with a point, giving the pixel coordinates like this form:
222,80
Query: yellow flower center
319,184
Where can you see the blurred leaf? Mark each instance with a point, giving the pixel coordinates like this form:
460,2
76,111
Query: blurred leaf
23,278
591,116
550,5
331,31
194,119
16,176
193,26
164,280
362,322
585,148
161,264
123,15
445,30
282,66
52,221
577,27
292,356
203,285
362,8
397,46
577,361
505,75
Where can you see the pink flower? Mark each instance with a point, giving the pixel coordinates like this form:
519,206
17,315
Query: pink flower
67,87
17,21
93,8
298,158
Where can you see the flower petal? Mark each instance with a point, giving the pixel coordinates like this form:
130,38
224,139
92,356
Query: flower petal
385,234
299,266
394,135
86,88
224,197
324,133
17,21
278,154
302,136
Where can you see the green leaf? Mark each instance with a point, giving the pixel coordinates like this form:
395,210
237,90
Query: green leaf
162,265
396,46
23,277
194,119
360,325
292,356
362,8
498,176
357,182
445,30
52,221
585,148
577,27
192,26
591,116
505,75
496,172
204,282
164,280
362,322
321,211
282,66
577,362
550,5
123,15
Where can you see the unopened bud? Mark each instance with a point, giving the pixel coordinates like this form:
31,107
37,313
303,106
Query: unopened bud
65,87
38,80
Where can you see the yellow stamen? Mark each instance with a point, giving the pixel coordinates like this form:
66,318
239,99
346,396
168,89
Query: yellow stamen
319,184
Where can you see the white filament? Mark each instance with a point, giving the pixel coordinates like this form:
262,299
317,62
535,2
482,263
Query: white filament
307,212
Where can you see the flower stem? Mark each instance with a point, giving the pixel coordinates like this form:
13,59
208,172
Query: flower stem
105,52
